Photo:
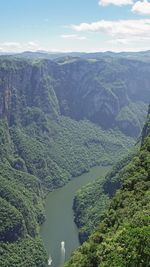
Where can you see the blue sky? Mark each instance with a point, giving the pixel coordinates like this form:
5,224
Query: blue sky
74,25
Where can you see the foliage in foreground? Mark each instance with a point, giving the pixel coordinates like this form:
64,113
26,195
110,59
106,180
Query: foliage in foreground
123,237
37,156
41,150
91,201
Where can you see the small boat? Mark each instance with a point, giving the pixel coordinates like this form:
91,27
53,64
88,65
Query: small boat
63,245
49,260
62,253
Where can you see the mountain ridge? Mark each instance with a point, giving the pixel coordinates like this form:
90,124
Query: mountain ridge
142,55
103,92
49,135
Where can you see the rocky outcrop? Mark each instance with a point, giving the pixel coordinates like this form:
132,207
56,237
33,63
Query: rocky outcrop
109,93
25,84
101,92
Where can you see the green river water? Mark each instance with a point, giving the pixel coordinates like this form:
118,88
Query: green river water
59,226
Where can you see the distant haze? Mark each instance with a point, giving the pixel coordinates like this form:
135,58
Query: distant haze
65,26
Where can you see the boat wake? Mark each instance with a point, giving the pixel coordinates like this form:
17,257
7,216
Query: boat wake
63,251
50,261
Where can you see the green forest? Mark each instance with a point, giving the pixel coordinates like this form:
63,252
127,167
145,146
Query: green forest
123,236
52,129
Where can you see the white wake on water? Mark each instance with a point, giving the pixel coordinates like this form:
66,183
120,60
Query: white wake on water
50,260
63,251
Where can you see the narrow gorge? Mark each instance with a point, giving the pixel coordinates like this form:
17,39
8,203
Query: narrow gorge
58,119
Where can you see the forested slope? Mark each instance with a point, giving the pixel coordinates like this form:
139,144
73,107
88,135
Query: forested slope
91,201
110,92
44,142
39,150
123,236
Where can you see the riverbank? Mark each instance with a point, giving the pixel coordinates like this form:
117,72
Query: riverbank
59,225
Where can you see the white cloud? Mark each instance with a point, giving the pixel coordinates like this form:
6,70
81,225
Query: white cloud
33,45
119,28
10,45
117,35
134,40
19,47
142,7
73,37
115,2
119,41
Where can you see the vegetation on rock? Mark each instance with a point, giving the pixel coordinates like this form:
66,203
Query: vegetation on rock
123,236
58,119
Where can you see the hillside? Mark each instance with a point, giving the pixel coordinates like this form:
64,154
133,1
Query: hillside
112,93
52,129
40,150
143,55
123,236
92,201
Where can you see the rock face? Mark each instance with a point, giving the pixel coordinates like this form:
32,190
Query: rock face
109,94
42,144
112,93
122,237
25,85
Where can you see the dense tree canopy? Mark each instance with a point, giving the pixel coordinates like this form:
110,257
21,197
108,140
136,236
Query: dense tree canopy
123,236
58,119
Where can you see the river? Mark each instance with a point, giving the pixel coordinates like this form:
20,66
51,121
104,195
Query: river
59,232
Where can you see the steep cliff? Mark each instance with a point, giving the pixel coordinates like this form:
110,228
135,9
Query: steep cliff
112,93
123,236
47,136
40,150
